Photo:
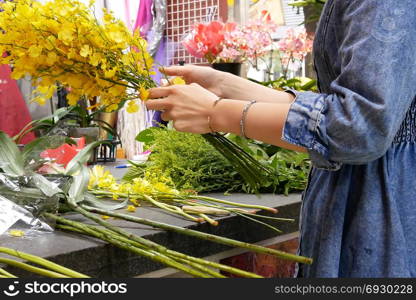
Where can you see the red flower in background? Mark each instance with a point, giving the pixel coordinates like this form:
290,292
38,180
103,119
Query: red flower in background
205,40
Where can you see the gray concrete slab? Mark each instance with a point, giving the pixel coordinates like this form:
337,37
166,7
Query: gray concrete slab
99,259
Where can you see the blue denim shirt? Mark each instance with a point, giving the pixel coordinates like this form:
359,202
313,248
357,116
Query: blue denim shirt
358,215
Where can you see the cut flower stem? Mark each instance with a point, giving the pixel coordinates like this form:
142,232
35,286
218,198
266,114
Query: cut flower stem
204,236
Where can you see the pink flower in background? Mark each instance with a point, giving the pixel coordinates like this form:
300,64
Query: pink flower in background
296,44
294,47
229,42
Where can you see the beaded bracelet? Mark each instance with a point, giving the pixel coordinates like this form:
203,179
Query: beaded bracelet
244,116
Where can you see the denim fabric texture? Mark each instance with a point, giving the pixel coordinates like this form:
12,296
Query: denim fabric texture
358,215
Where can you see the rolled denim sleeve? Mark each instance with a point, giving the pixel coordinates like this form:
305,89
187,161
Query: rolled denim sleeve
356,121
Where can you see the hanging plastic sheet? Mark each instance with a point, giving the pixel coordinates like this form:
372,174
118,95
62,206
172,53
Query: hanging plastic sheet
158,27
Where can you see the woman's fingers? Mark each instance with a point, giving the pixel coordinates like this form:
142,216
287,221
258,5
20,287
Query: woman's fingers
174,70
160,92
160,104
159,98
166,116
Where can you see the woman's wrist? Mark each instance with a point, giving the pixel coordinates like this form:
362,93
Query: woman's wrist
262,121
226,116
223,83
234,87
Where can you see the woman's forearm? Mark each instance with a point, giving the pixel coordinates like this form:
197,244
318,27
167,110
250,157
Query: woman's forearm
234,87
264,121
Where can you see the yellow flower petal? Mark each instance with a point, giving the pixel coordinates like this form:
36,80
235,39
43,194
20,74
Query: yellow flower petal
110,73
178,81
95,59
85,51
52,58
117,90
72,99
39,100
131,208
66,35
132,107
144,94
35,51
117,36
135,202
16,233
112,107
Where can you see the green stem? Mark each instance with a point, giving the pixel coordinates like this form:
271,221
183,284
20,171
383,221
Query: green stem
111,238
208,219
259,222
243,214
201,268
234,210
268,217
175,210
215,265
209,199
6,274
200,261
43,262
30,268
204,236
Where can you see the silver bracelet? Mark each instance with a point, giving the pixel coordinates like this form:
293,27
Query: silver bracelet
209,117
243,118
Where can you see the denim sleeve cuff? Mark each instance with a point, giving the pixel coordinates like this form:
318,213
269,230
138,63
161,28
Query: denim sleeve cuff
301,128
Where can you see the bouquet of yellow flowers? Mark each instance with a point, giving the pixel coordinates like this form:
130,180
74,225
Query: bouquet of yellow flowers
63,41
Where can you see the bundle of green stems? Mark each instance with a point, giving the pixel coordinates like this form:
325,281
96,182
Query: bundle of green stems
44,267
123,239
197,208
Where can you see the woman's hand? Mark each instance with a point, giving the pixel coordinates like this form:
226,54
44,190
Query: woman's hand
226,85
204,76
192,109
189,106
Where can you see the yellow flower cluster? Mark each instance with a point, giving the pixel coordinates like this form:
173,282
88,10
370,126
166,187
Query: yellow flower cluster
151,184
62,41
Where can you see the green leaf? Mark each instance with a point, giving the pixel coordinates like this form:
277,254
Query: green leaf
309,85
59,114
106,126
11,160
146,136
46,123
93,201
82,158
299,4
76,193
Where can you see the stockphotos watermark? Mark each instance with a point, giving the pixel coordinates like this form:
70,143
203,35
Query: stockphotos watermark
71,289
